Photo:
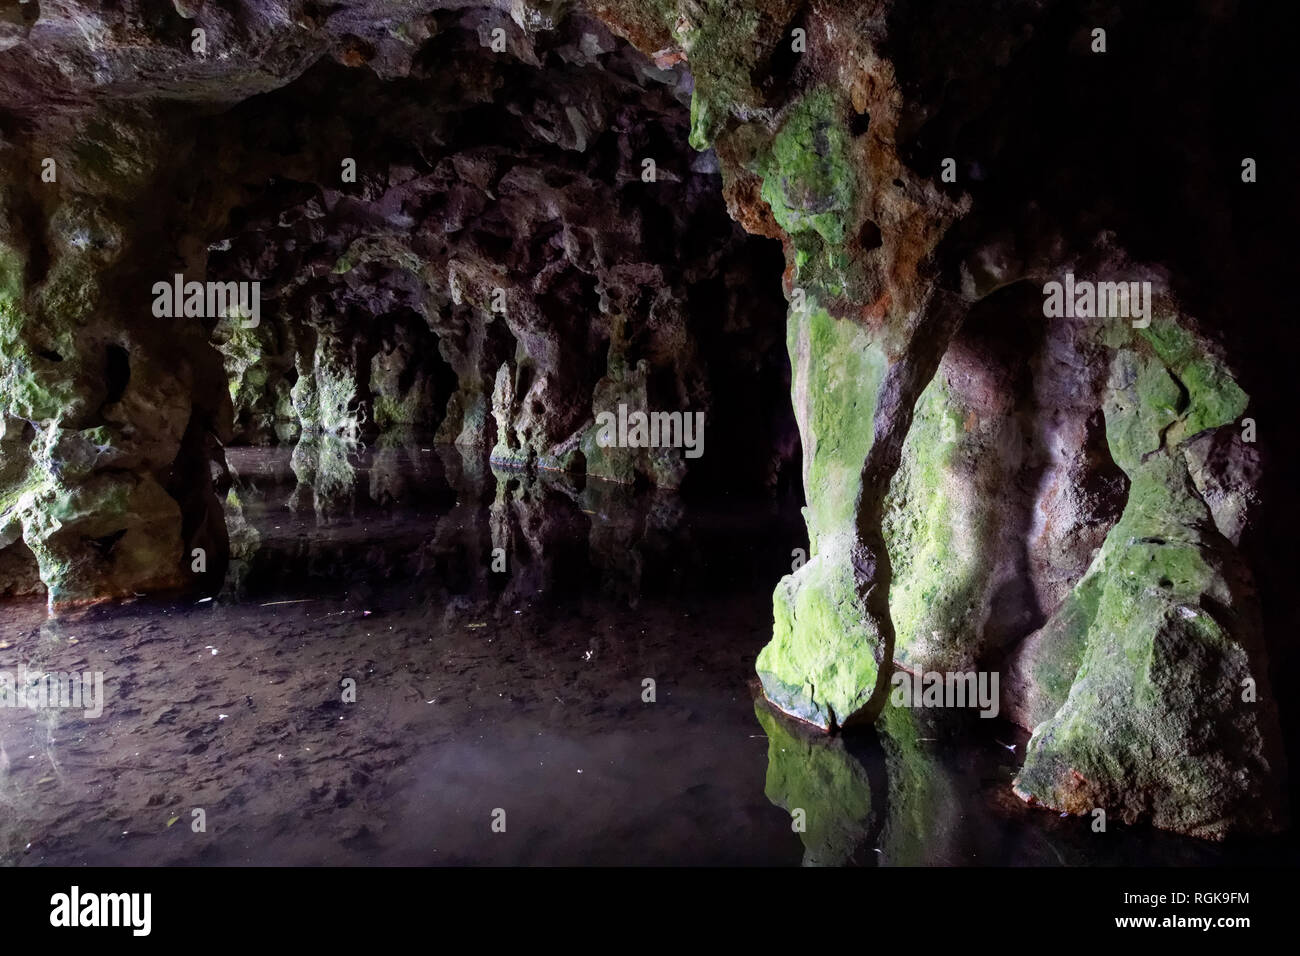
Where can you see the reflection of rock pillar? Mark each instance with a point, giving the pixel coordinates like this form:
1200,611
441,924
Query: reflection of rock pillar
324,470
245,540
925,810
823,787
616,540
499,525
916,816
462,535
535,522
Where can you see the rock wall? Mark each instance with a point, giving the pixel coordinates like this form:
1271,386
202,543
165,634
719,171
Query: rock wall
1071,501
990,486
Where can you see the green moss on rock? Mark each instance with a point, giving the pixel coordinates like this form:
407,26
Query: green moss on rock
822,662
1061,642
1213,396
932,526
837,373
1154,725
808,178
719,39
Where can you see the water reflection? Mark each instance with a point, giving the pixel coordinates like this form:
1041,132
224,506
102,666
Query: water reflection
825,790
478,689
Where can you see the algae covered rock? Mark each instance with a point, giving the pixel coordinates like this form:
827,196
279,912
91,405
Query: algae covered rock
823,661
1169,717
109,536
808,176
104,403
941,514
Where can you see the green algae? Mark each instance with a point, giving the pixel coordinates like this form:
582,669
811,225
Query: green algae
935,538
244,351
718,38
1213,396
1153,725
837,373
823,660
808,178
323,465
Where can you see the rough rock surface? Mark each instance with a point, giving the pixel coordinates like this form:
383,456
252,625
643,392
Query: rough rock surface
1075,502
392,301
973,499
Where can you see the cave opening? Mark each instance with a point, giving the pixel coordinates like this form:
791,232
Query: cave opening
454,273
498,272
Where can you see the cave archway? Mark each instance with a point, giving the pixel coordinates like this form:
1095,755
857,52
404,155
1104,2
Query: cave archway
496,269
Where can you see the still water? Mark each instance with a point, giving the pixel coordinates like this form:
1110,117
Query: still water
499,717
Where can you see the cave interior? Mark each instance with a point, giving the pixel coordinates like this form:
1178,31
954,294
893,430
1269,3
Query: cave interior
312,317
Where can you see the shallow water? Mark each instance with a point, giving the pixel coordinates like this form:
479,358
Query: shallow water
479,692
